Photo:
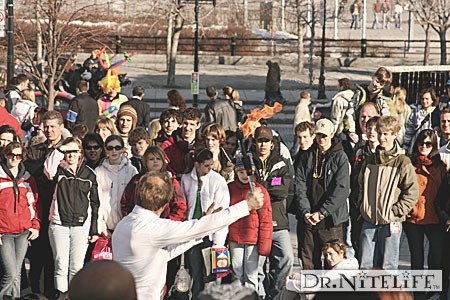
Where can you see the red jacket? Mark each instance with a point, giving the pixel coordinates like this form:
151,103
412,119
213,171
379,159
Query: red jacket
18,199
256,228
8,119
175,210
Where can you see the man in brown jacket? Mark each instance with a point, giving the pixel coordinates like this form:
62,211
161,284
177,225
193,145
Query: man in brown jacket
388,192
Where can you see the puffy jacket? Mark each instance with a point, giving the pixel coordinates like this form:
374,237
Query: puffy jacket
341,101
419,120
112,181
214,189
75,200
336,183
388,188
276,176
174,210
429,178
18,198
256,228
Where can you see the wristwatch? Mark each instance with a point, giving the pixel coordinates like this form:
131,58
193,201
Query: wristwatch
321,217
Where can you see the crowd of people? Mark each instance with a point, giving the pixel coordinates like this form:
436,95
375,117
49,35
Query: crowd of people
163,192
384,12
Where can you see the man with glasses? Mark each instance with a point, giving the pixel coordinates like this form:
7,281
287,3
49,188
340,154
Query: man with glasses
93,150
322,186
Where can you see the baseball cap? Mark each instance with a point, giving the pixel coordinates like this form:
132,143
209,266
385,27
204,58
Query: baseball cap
324,126
263,132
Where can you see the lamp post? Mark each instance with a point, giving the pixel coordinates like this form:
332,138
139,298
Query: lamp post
10,35
321,90
195,96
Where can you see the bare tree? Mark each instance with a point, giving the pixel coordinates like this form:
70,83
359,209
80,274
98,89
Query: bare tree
174,27
434,14
61,36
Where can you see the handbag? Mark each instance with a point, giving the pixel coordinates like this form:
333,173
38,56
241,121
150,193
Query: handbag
183,280
102,250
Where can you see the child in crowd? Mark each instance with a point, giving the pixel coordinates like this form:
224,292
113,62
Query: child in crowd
139,141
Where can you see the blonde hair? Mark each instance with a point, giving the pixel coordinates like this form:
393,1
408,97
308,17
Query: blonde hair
154,128
28,94
399,99
388,123
105,122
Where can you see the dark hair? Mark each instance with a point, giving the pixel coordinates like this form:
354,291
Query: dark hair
154,190
202,155
83,86
92,137
434,154
80,131
304,126
192,114
39,113
211,91
372,121
383,75
114,137
16,80
176,99
11,146
337,245
138,91
345,83
432,93
9,129
170,113
138,134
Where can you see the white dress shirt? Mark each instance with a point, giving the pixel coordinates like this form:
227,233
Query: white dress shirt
144,243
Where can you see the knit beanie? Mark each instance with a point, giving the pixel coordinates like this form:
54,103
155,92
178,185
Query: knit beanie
127,110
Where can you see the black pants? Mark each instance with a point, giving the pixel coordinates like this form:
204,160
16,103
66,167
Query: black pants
415,235
445,265
197,268
312,241
41,258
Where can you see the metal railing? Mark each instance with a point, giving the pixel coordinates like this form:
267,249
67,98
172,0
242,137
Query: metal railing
236,46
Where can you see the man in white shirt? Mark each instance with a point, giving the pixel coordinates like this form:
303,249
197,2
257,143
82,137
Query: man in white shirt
144,243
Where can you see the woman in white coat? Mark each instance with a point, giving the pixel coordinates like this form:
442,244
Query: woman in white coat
113,175
203,187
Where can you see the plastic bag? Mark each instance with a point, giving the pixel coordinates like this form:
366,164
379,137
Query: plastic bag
102,250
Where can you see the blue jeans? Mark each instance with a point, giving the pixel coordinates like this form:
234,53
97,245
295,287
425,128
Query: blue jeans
12,252
281,259
69,245
379,248
245,264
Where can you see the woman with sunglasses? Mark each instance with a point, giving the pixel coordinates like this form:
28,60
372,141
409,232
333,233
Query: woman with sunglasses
113,175
73,212
19,221
94,150
424,219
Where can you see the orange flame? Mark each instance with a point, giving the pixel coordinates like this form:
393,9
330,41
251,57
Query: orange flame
257,114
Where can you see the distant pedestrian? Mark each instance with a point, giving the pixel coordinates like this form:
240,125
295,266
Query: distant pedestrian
142,108
377,8
386,9
354,10
302,109
398,12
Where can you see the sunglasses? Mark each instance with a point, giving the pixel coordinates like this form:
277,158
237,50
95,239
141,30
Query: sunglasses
13,155
70,151
426,144
111,148
96,147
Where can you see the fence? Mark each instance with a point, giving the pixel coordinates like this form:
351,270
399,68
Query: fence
235,46
416,78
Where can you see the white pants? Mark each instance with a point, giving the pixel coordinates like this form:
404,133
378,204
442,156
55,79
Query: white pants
69,245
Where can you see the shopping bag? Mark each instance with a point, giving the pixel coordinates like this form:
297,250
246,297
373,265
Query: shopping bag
102,250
